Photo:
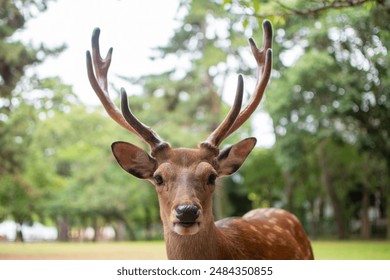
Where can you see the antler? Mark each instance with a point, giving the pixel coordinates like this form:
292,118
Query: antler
97,75
220,133
234,120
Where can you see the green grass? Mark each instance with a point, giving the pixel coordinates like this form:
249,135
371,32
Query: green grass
83,251
323,250
351,250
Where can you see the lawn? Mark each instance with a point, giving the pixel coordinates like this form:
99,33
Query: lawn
351,250
83,251
323,250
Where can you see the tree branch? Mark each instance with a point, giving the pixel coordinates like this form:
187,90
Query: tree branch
324,5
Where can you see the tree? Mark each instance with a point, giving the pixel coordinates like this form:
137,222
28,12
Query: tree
15,57
331,85
71,160
17,114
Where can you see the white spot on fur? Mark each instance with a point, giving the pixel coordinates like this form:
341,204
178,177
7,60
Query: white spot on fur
253,228
278,228
279,211
268,212
271,237
273,221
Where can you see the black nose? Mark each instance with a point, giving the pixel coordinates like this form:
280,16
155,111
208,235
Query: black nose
187,213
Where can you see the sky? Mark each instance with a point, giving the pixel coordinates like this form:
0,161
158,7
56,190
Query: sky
132,28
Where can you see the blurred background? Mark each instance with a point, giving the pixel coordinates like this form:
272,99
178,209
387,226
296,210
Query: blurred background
323,127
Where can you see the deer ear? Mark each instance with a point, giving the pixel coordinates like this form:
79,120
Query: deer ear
134,160
230,159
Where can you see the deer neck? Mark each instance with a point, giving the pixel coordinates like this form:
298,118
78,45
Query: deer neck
210,243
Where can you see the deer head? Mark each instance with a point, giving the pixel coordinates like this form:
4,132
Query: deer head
184,178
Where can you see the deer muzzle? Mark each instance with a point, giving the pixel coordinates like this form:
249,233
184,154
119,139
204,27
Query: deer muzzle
186,220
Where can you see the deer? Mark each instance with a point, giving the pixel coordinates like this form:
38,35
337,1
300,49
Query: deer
185,178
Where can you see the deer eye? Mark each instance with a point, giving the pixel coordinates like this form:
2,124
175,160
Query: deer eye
159,180
211,179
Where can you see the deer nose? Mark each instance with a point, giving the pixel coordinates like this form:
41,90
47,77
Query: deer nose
187,213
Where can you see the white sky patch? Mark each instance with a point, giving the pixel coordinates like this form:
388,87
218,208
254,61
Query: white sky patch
132,28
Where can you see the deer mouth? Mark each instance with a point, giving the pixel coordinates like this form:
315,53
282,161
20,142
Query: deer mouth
186,228
187,224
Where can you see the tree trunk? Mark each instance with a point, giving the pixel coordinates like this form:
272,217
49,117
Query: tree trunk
386,192
95,228
388,213
130,231
327,183
288,190
120,231
321,215
313,221
19,232
63,228
365,229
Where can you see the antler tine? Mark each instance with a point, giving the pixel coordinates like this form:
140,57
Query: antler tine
263,58
145,132
97,68
99,82
219,134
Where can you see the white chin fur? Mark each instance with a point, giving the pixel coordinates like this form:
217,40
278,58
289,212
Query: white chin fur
179,229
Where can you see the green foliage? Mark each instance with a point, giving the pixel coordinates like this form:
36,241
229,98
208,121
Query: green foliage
84,181
19,113
14,55
329,103
262,178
